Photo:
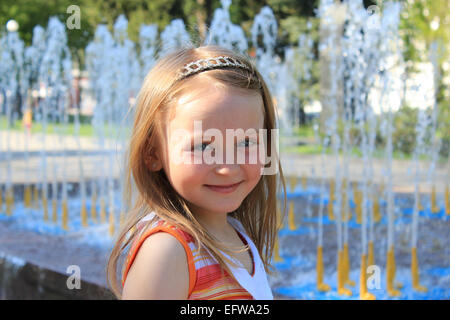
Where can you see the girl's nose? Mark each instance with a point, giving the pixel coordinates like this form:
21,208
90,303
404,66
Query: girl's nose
227,169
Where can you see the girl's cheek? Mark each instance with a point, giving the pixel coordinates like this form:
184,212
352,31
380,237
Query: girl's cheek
253,174
186,176
192,163
179,157
261,154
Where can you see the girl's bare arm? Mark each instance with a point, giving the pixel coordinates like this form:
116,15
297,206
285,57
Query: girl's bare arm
159,271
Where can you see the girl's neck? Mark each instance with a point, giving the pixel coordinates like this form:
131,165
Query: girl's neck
216,223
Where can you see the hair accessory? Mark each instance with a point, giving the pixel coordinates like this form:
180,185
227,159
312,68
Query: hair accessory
209,64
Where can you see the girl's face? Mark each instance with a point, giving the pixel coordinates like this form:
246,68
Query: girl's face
213,105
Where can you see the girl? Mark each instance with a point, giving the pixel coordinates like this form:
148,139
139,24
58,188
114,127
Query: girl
199,230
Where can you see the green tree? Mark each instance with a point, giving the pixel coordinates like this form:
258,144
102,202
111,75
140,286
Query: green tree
424,22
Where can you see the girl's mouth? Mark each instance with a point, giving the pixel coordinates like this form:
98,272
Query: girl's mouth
224,189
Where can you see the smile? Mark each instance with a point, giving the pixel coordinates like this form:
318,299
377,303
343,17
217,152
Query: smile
224,189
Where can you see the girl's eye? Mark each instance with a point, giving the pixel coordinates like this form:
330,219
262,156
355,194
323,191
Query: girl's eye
197,147
249,143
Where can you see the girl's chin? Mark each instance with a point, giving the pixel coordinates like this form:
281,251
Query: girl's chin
224,209
229,208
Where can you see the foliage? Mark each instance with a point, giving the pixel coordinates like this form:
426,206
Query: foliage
443,128
404,135
424,22
197,15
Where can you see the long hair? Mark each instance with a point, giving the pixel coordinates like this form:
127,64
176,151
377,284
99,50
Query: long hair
258,211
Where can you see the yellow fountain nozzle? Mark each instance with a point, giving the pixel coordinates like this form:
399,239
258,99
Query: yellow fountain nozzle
370,255
112,222
357,199
102,211
293,183
419,202
84,221
344,206
9,201
291,216
94,208
341,275
434,207
363,293
65,216
54,211
304,182
415,271
45,207
390,274
367,296
330,209
27,196
358,211
276,249
332,190
376,209
355,190
321,286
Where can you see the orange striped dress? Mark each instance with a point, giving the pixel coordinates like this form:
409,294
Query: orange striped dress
206,281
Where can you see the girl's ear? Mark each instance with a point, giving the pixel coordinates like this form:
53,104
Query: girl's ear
152,160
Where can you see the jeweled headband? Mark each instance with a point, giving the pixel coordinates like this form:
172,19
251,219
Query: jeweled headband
209,64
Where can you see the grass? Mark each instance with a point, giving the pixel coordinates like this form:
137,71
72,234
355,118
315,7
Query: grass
313,149
304,132
86,130
307,149
307,133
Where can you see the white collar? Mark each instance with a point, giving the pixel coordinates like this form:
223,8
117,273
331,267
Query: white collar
258,285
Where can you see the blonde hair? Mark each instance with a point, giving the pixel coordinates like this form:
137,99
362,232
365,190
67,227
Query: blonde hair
258,211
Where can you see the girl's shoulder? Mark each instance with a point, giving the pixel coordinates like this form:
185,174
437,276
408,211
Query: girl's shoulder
149,225
161,256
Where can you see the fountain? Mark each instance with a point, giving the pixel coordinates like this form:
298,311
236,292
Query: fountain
224,33
351,207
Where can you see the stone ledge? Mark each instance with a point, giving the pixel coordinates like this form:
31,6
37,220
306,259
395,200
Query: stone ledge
23,280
